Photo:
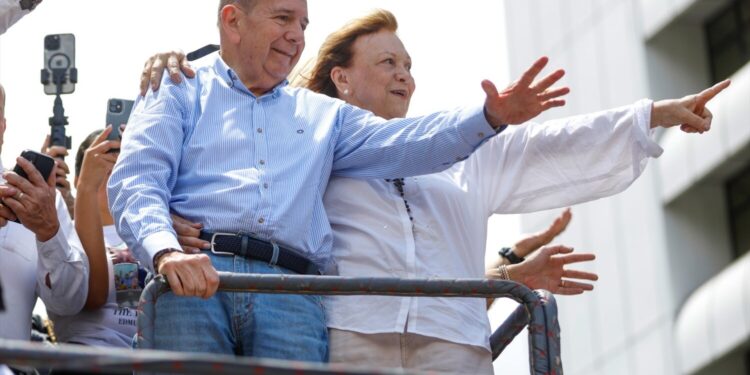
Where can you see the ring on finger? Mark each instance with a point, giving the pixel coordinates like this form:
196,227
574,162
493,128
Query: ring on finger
20,196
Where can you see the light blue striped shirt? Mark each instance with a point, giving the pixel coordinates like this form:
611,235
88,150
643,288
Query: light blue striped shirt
210,151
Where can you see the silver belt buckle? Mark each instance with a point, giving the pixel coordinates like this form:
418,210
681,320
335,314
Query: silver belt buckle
213,243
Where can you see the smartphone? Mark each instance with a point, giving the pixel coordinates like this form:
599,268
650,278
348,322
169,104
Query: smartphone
59,63
43,163
118,112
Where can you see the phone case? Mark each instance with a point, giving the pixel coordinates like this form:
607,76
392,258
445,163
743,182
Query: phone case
118,112
60,54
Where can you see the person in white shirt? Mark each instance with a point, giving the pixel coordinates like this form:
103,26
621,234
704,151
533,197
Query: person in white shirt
42,257
13,10
436,225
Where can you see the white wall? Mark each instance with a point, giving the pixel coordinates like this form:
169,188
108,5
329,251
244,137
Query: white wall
652,249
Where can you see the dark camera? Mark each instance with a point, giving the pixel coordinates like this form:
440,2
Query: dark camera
115,106
52,42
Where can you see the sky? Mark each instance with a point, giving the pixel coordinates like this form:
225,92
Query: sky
452,48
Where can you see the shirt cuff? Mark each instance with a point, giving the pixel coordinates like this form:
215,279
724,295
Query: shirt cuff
54,251
645,136
157,242
474,127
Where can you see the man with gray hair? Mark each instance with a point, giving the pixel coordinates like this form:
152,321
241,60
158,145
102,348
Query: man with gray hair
249,157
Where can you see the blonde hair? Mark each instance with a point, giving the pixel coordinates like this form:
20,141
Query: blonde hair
337,49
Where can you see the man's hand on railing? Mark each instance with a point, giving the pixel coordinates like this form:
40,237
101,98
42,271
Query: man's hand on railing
190,275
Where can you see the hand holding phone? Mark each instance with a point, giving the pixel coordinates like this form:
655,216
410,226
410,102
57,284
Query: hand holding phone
43,163
118,112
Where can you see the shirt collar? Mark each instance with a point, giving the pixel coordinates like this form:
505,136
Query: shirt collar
230,77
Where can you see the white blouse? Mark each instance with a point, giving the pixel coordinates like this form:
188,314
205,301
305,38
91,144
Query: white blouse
526,168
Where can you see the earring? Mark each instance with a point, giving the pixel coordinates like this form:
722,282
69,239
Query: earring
346,92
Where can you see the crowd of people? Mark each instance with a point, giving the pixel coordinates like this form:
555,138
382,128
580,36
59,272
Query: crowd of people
239,164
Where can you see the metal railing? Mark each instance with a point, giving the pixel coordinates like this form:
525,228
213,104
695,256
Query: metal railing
536,310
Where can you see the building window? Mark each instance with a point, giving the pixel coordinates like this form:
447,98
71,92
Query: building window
728,36
738,193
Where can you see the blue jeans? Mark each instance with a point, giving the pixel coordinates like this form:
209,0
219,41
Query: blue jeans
281,326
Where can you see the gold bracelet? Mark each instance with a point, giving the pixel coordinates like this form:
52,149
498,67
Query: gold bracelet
504,274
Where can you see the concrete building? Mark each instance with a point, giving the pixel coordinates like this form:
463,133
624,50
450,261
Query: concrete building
674,293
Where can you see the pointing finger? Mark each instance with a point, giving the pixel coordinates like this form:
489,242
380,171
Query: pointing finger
712,91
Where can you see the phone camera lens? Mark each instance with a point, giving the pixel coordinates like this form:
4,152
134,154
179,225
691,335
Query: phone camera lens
115,106
52,42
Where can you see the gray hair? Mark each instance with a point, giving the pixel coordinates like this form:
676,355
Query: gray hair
246,4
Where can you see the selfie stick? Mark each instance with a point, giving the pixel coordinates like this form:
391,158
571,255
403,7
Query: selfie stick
58,121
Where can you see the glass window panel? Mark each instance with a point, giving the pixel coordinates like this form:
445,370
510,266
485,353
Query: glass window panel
742,234
738,192
722,28
745,6
727,61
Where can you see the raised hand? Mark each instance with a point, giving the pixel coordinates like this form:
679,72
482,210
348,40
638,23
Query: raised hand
97,162
533,242
524,99
173,61
546,270
61,180
33,200
689,112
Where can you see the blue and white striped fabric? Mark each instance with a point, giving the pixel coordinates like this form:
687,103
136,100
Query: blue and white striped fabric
209,150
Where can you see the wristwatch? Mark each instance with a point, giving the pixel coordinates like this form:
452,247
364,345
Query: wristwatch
28,4
508,254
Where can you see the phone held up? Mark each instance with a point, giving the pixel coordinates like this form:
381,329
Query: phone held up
43,163
59,64
118,112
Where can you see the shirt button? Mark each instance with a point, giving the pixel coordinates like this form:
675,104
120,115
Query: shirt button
260,130
262,162
261,220
265,185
